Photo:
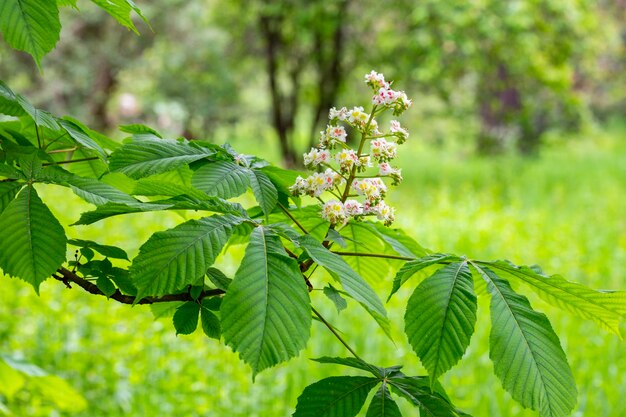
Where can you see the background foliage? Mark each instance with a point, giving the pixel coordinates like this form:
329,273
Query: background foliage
458,200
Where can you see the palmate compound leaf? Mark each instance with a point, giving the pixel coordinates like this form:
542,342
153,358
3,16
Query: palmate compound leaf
337,396
440,317
32,26
608,309
33,241
412,267
266,312
355,286
221,179
526,353
382,404
149,156
173,259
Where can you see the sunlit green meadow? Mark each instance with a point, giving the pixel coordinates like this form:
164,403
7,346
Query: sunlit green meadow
565,211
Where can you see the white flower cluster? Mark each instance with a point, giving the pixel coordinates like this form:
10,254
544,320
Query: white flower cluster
342,167
315,185
337,212
385,96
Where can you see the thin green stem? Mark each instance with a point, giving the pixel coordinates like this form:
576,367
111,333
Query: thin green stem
63,150
334,332
71,161
375,255
38,139
293,219
54,140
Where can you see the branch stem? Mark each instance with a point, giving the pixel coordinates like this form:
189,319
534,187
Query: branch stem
293,219
334,332
68,277
375,255
71,161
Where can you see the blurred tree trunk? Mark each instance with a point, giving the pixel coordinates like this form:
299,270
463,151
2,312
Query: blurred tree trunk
330,68
498,99
319,45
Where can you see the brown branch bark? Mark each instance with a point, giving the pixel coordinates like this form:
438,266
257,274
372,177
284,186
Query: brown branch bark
68,277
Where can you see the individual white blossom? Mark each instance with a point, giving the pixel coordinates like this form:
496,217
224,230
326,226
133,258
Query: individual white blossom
347,158
386,170
376,80
334,212
315,185
316,157
383,150
401,103
398,131
384,212
357,117
372,188
353,208
338,115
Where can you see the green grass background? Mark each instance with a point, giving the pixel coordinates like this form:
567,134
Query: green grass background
565,211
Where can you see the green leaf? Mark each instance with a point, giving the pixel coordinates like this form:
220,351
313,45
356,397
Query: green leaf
608,309
150,187
353,363
105,285
337,396
33,243
31,26
100,140
160,310
121,10
264,191
440,318
82,137
139,129
175,258
218,278
105,250
8,191
526,353
98,193
361,239
115,209
400,242
266,312
8,102
335,296
412,267
186,318
221,179
382,404
91,168
351,282
145,157
40,117
210,323
282,180
430,404
65,3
